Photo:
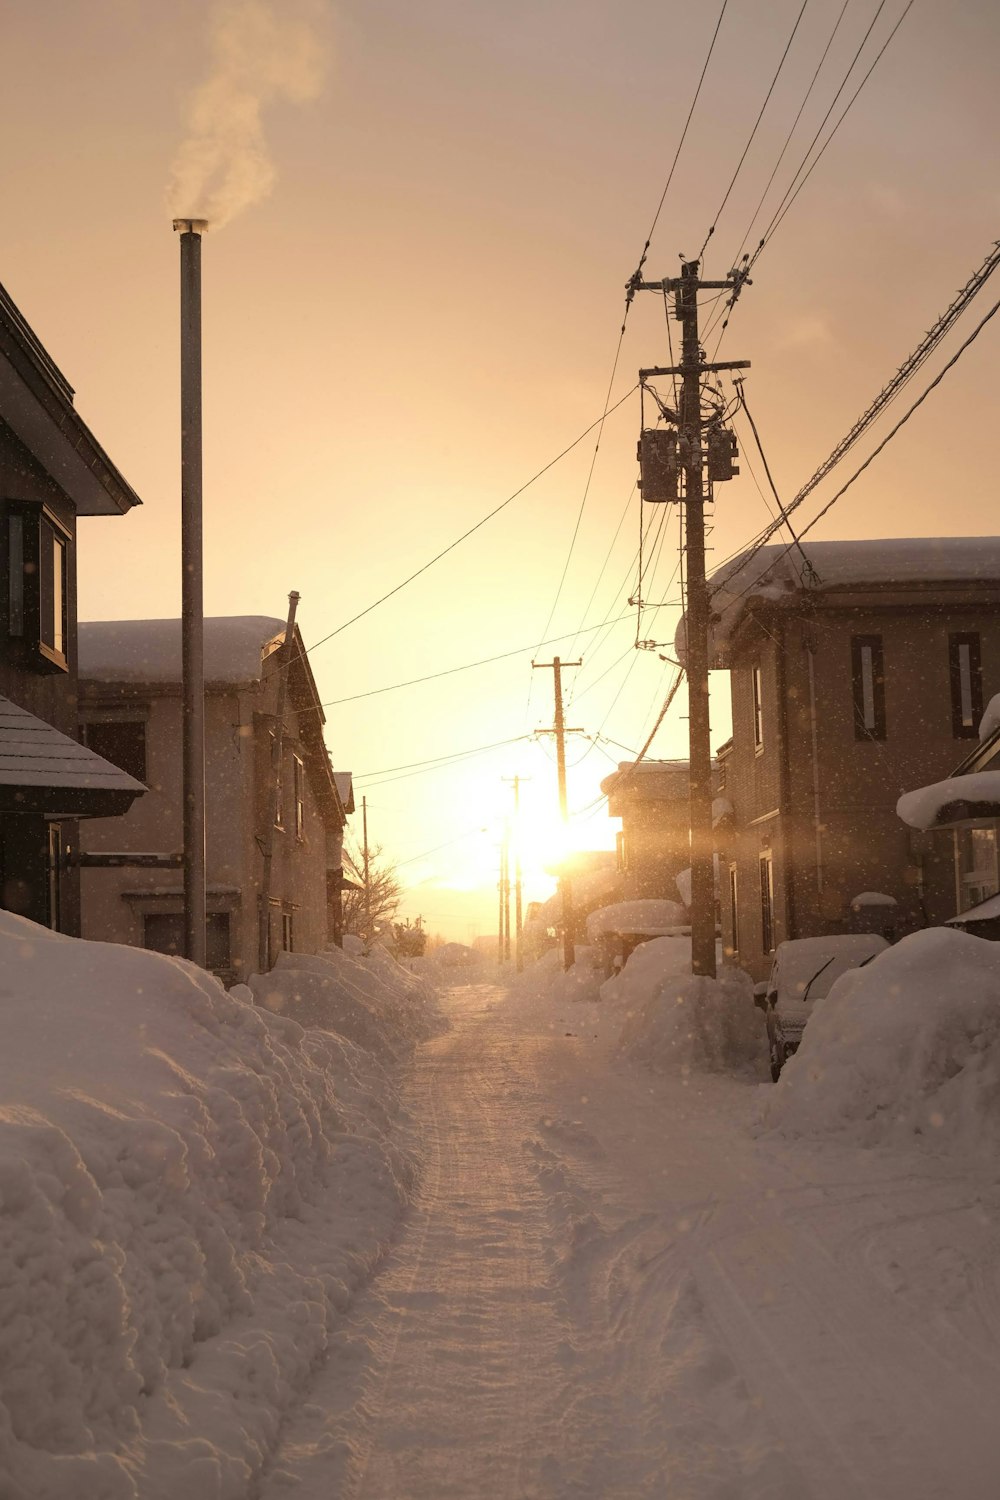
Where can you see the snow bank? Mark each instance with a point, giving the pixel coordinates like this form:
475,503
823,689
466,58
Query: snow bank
191,1188
372,1001
679,1021
990,722
906,1048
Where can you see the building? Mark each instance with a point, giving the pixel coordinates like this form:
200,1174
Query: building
131,713
52,472
852,679
651,798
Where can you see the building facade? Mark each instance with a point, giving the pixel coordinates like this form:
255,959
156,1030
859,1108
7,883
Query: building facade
851,681
131,713
651,798
52,472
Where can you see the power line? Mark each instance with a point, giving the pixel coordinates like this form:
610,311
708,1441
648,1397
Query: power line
472,529
440,759
467,666
753,133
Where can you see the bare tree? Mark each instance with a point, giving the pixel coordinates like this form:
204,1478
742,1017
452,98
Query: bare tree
369,914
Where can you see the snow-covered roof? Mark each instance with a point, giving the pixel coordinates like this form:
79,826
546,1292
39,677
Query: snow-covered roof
150,650
344,781
649,778
986,911
777,572
990,722
957,797
872,898
34,754
650,918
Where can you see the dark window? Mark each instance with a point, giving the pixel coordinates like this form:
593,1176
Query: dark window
287,931
299,784
37,585
121,741
868,687
163,932
966,672
767,902
55,865
734,906
758,709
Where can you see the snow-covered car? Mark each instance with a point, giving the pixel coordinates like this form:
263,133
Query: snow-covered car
804,970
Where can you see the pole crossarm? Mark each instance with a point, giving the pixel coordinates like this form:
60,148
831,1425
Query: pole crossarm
695,369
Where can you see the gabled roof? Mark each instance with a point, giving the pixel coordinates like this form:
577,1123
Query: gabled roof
44,771
36,403
149,651
777,574
344,782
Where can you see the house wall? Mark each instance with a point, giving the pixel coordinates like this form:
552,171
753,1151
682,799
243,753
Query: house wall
237,765
655,846
862,844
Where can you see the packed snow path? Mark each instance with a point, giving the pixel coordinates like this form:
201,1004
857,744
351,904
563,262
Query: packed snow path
609,1288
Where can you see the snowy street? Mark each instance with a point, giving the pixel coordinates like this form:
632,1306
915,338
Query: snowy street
612,1284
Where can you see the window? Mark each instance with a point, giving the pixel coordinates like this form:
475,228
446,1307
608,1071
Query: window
287,931
868,684
767,902
163,932
274,773
734,907
55,866
299,788
965,669
758,709
121,741
976,851
37,574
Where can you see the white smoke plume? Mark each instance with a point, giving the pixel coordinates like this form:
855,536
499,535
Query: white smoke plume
262,52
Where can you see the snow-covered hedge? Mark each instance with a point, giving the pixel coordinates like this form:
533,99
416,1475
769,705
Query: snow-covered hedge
907,1048
677,1021
190,1187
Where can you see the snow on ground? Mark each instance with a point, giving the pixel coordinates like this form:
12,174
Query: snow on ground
192,1188
905,1049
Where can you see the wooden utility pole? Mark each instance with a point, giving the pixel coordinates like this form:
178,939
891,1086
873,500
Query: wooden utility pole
692,371
368,884
503,899
274,790
560,731
518,913
506,893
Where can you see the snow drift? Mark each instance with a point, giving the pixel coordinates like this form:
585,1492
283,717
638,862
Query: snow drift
907,1048
679,1021
191,1187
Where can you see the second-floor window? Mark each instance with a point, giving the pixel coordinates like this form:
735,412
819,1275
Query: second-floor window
965,669
734,906
37,593
868,687
299,787
758,708
766,901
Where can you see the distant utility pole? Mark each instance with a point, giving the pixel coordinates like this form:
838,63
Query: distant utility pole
560,731
368,883
503,919
660,450
518,915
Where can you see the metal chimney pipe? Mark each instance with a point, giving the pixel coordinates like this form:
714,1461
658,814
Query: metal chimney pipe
192,594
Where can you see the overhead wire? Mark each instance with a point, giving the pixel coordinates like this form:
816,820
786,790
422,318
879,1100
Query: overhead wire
739,165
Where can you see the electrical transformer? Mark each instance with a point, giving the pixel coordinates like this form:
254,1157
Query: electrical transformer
657,455
722,452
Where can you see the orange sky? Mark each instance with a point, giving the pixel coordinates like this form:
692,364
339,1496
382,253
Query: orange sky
424,310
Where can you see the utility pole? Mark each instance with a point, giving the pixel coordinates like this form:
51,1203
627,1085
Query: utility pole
503,899
518,914
560,731
692,455
274,791
506,893
368,884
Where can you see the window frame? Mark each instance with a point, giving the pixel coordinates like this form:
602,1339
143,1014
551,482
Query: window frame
765,866
39,547
299,795
972,641
868,682
757,695
734,905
